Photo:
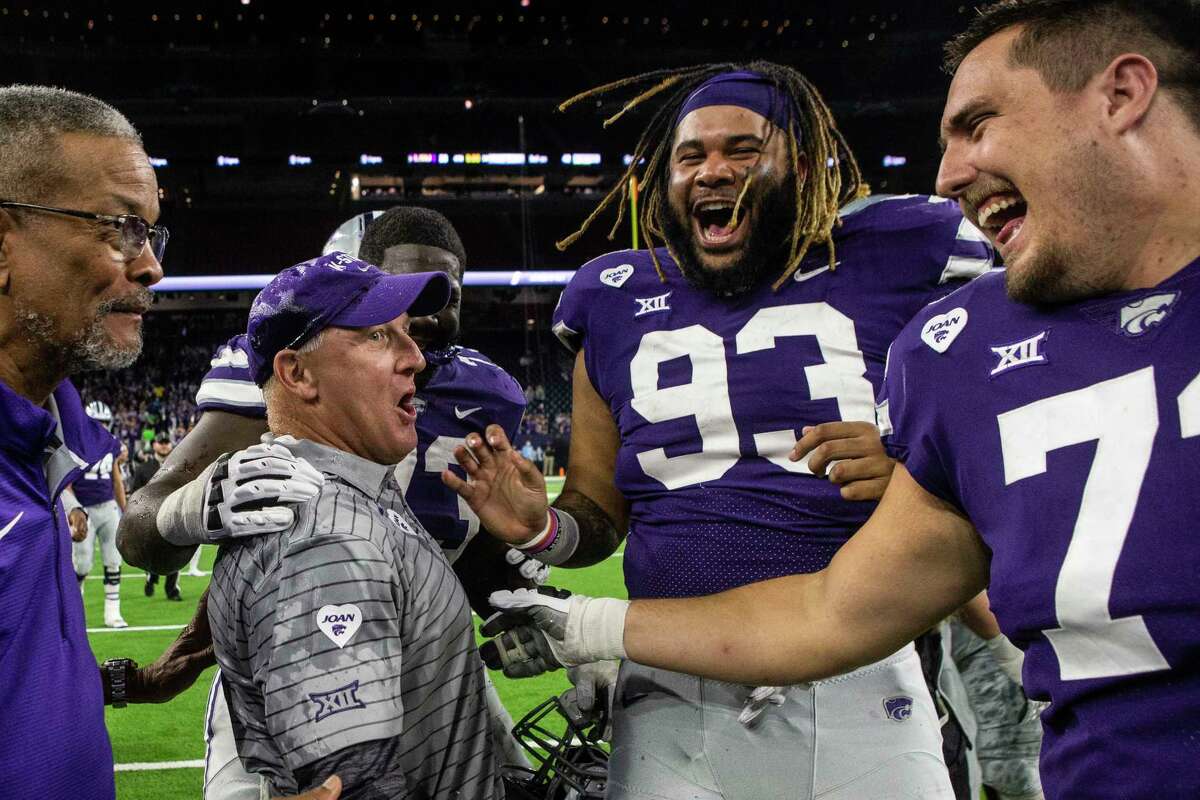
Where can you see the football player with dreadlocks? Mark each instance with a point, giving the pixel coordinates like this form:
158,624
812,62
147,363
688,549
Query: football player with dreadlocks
708,368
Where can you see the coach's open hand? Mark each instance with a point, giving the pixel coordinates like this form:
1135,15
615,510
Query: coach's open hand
860,465
507,492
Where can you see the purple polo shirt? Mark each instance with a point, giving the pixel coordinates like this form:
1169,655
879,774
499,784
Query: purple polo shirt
53,741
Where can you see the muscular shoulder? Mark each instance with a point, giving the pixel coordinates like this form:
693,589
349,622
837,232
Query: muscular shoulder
957,327
228,384
489,379
916,233
603,284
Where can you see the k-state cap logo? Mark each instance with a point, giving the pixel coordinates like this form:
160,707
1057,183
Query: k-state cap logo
616,276
1141,315
941,331
898,707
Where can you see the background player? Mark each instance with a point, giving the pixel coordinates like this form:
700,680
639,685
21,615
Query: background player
101,492
699,364
1049,434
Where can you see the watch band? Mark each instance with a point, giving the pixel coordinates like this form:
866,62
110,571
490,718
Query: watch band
117,670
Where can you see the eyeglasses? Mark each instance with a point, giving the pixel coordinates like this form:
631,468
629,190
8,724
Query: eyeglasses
135,231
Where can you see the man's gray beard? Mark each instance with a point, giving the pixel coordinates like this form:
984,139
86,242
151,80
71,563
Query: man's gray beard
90,350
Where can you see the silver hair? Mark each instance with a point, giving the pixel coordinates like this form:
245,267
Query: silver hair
271,387
31,120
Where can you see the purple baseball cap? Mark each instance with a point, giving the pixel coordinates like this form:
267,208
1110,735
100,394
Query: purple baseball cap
335,289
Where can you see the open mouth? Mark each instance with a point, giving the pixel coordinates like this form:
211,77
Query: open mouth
715,225
1001,216
408,410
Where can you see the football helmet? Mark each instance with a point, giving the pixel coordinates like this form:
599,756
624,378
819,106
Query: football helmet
349,235
99,412
569,765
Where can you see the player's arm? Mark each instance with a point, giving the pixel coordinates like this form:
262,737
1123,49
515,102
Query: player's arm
914,562
510,495
118,487
138,537
977,615
589,493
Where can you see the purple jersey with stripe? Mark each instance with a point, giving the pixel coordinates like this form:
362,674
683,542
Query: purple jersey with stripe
467,393
709,394
53,742
95,485
1071,439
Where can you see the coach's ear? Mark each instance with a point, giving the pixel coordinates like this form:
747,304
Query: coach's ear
294,376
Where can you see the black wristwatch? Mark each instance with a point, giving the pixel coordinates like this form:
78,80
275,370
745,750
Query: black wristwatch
117,671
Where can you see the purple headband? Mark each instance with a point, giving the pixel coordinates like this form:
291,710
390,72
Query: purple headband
748,90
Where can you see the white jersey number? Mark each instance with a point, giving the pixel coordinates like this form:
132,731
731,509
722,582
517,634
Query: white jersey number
439,456
842,376
1121,416
101,470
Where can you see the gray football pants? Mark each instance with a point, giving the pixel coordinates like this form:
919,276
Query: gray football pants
102,524
871,734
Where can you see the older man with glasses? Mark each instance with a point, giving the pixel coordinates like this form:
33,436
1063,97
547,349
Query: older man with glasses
79,202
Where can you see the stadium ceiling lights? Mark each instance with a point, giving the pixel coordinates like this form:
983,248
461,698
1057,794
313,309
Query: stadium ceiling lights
488,277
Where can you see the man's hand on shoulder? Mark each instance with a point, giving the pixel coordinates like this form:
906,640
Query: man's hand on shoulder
850,454
244,494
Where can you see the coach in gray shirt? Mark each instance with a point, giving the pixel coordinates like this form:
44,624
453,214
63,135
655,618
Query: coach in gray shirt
346,643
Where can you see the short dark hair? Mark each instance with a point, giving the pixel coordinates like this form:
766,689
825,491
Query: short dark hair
410,225
1069,41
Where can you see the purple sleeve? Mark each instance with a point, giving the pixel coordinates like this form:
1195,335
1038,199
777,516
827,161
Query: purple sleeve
227,386
907,414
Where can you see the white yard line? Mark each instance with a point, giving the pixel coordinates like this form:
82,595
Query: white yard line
141,576
144,766
136,629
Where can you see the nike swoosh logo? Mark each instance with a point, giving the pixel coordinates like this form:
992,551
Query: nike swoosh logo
467,413
9,526
803,276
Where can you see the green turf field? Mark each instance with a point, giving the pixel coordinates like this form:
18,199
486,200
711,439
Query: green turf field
159,748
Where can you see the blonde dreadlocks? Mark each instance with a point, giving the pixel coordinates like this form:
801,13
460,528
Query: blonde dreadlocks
811,132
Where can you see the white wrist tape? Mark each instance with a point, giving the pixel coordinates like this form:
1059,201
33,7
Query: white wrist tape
596,628
1008,657
180,518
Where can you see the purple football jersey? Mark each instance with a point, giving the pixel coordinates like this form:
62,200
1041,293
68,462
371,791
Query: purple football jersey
1071,439
467,393
95,486
709,394
54,742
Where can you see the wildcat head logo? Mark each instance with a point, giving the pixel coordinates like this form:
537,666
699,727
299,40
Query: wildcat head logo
1140,316
941,331
898,708
616,276
339,623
